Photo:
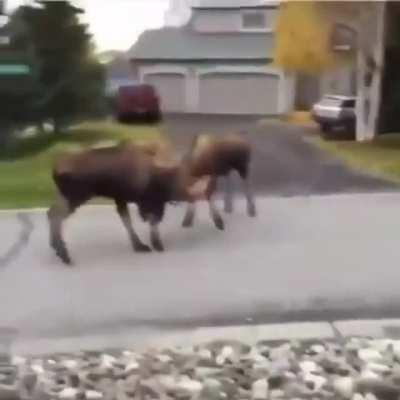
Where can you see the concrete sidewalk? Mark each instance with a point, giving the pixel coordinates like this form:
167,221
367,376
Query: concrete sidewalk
147,338
321,258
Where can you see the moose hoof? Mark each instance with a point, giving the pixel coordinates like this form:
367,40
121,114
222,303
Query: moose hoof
219,223
142,248
61,250
158,246
62,253
187,223
251,211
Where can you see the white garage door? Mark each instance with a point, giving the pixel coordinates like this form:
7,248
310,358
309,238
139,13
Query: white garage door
239,93
171,89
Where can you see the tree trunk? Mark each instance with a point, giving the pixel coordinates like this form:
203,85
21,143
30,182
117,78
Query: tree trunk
369,93
5,136
56,126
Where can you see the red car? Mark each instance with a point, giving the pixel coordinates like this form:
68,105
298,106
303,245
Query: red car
137,101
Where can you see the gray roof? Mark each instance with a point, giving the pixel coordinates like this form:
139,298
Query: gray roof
233,3
182,44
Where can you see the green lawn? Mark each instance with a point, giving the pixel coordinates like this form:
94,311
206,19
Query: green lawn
25,170
381,157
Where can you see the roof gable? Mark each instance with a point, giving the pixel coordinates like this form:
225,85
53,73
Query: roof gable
184,44
233,4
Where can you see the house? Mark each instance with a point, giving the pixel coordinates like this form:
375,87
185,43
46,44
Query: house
220,62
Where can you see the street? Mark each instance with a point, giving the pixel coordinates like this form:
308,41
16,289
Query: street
303,258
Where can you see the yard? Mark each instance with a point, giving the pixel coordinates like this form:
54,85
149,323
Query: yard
25,170
381,157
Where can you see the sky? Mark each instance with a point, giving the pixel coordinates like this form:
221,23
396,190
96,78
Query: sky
116,24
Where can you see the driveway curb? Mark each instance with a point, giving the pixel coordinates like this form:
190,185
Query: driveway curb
143,339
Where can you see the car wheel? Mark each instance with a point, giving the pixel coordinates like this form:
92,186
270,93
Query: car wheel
350,131
125,119
153,117
350,126
325,128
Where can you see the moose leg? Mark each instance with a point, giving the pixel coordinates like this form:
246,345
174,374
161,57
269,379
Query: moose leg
123,212
155,237
189,216
214,213
56,215
228,195
248,191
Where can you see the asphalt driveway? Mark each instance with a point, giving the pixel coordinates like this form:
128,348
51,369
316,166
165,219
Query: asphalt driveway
285,163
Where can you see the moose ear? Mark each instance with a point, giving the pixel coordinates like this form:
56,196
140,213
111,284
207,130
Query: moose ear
198,189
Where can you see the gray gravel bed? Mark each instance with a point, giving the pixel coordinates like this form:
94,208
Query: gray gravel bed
357,369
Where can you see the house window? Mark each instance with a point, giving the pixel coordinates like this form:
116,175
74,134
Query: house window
254,20
343,38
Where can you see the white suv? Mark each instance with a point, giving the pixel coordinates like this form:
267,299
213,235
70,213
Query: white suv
335,111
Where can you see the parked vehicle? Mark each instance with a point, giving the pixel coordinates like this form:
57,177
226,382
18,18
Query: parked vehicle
334,111
137,101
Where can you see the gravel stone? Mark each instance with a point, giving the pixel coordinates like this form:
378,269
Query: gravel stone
68,394
318,348
308,366
72,365
277,394
205,372
357,369
369,355
378,368
211,390
259,390
108,387
281,352
344,386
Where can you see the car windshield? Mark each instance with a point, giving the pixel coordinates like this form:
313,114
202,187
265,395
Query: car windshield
192,207
332,101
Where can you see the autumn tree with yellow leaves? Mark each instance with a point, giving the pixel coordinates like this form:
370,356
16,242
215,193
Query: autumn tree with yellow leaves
302,41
